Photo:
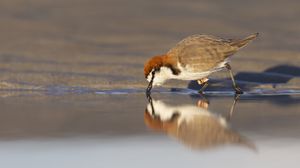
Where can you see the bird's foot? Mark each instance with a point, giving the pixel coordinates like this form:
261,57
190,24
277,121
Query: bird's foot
202,81
238,90
200,92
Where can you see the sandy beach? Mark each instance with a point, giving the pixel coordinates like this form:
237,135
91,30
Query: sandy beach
104,44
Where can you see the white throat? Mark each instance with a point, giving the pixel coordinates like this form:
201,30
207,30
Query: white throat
161,76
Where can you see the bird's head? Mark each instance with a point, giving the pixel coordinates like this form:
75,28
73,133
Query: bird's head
159,69
152,70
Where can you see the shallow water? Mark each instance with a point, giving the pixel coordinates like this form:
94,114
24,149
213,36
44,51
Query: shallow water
92,129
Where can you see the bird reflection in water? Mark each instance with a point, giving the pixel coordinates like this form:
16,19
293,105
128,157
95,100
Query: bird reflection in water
194,125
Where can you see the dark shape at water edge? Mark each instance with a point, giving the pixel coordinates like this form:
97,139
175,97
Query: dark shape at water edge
261,78
275,75
285,69
280,74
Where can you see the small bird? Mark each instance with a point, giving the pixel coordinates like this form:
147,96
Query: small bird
194,58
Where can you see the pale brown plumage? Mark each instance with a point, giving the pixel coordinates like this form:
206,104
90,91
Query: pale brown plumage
203,52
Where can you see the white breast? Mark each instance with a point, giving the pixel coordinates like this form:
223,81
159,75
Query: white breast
190,74
186,73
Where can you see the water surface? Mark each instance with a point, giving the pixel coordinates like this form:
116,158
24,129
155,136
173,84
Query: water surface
120,130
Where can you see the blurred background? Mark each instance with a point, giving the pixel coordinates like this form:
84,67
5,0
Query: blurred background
103,44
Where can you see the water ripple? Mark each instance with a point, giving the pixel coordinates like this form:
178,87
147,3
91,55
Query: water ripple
182,91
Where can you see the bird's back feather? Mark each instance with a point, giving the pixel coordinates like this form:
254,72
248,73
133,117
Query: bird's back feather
205,53
243,42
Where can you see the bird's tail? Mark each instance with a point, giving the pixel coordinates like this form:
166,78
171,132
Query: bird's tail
243,42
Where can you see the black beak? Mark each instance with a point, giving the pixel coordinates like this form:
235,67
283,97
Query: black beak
148,90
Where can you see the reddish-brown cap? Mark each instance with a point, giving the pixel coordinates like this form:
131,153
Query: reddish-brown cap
154,62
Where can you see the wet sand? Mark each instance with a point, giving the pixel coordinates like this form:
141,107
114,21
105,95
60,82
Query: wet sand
104,44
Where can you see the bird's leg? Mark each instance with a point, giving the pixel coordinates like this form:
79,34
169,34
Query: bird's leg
235,87
229,115
204,83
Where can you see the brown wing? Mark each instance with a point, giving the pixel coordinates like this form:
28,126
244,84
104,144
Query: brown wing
202,52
